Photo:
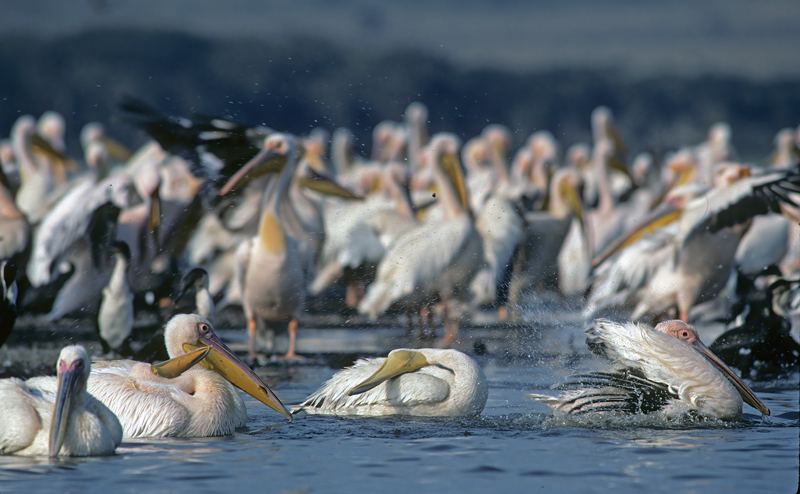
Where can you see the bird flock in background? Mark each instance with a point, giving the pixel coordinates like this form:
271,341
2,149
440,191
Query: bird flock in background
428,231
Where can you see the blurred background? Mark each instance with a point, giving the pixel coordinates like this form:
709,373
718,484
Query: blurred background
668,70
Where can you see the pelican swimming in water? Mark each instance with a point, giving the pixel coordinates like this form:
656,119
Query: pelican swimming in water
56,416
425,383
176,398
667,370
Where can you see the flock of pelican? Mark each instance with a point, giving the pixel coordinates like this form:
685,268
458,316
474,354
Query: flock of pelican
427,229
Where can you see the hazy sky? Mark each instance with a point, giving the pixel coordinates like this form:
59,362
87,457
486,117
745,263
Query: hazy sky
757,39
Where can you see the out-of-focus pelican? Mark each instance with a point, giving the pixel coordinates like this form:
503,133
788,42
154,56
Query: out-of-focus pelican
544,234
176,398
269,266
425,382
688,261
437,260
360,233
14,228
56,416
416,123
115,315
667,370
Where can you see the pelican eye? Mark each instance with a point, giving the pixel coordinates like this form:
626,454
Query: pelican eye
203,327
684,334
79,364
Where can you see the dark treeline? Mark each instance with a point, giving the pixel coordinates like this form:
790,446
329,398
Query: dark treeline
299,85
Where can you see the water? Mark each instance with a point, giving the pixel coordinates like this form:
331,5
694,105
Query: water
515,446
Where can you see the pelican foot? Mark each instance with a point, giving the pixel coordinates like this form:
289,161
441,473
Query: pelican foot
290,357
448,340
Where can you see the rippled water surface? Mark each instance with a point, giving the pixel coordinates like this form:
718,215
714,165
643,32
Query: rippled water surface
515,446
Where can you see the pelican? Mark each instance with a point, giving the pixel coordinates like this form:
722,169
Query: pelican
14,228
270,266
175,399
667,370
689,260
438,259
56,416
424,383
544,235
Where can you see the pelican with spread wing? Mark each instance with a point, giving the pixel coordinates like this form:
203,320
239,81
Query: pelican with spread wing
666,369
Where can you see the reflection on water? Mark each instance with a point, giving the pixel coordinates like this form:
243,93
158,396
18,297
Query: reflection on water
515,446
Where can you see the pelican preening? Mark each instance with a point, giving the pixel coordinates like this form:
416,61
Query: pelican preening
176,398
58,417
425,383
666,370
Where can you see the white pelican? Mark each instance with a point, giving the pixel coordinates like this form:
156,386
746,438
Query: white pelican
56,416
667,370
425,383
688,261
14,228
175,399
270,267
437,260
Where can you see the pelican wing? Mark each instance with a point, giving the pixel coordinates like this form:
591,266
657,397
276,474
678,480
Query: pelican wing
71,218
417,260
406,390
660,358
739,202
620,278
143,411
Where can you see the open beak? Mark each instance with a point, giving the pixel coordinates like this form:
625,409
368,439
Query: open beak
746,393
324,185
663,215
68,383
266,161
397,363
224,362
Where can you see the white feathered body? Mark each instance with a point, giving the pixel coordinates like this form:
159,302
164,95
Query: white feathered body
437,259
198,403
454,385
26,412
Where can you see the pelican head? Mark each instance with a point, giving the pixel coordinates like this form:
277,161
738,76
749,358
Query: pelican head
73,369
278,149
684,332
190,338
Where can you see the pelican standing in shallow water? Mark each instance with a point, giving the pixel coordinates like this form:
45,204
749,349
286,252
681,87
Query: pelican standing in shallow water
56,416
176,398
667,370
425,383
269,266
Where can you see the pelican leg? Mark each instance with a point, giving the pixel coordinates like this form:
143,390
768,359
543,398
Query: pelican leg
425,330
290,353
351,295
502,313
251,333
450,328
